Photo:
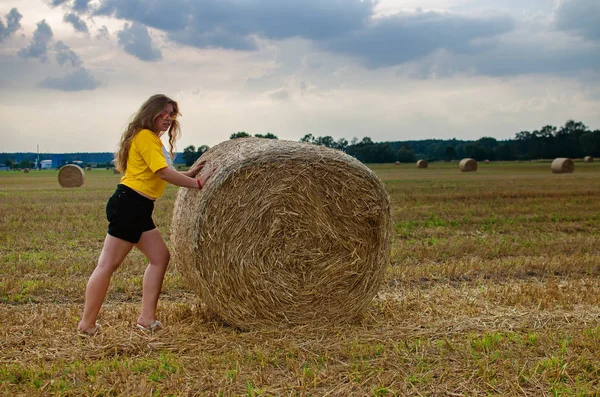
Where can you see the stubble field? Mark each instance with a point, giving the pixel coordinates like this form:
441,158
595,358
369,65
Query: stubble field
493,289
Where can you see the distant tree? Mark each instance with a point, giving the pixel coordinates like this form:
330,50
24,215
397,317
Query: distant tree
523,136
450,153
189,155
590,143
487,142
475,151
308,138
341,144
366,141
239,134
405,154
268,135
354,141
567,139
326,141
504,151
202,149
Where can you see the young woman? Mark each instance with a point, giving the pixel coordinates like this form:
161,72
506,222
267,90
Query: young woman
146,166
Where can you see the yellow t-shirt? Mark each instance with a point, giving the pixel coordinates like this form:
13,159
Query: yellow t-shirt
146,156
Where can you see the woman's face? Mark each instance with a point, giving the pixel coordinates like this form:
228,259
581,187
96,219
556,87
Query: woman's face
163,121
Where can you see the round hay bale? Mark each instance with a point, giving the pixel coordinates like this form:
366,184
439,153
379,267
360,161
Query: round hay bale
467,165
88,168
70,175
486,161
285,233
397,163
562,165
588,159
422,164
26,170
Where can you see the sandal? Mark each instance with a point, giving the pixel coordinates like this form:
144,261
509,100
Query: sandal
155,326
87,333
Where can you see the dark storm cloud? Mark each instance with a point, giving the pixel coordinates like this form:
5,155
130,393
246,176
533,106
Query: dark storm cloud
13,23
348,27
79,80
580,17
64,55
228,23
136,41
402,38
77,23
81,6
56,3
39,45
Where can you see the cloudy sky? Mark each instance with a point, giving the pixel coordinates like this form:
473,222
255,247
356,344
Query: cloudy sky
72,72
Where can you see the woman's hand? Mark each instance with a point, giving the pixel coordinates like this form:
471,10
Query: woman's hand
204,176
193,171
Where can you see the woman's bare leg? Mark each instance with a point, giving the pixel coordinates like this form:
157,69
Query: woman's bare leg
154,248
113,253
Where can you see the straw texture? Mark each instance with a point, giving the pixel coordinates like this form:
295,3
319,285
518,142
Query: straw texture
422,164
284,233
467,165
562,165
70,175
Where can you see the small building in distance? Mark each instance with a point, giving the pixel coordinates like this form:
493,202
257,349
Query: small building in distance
45,164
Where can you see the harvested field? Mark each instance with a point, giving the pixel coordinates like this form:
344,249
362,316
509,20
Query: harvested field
493,289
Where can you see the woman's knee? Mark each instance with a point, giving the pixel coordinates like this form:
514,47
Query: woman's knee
107,266
162,261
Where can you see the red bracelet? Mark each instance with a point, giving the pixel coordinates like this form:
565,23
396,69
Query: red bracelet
199,184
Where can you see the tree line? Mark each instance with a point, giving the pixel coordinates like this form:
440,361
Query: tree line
572,140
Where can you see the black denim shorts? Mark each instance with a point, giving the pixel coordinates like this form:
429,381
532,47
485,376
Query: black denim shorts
129,214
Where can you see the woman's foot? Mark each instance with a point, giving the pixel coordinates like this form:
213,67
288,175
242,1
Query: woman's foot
151,328
88,331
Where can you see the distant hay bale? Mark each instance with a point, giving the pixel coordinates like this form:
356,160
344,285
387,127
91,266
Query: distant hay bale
26,170
422,164
562,165
588,159
467,165
88,168
397,163
486,161
70,175
285,233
